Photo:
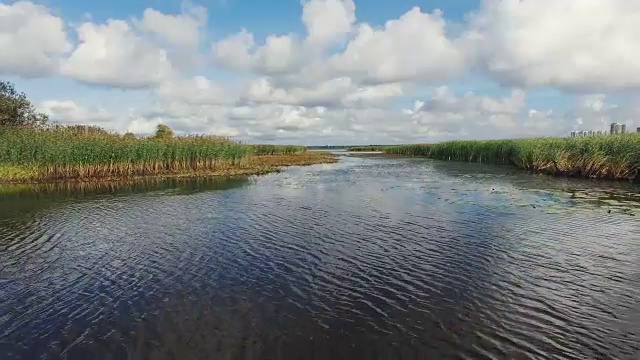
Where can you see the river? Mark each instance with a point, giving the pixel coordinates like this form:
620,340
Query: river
368,258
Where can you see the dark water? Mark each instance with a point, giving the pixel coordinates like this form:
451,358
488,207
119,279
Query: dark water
368,258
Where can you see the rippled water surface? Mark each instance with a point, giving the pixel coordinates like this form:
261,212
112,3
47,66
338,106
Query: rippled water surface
367,258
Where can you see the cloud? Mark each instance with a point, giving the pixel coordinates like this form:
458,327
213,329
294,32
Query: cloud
197,90
141,125
327,21
344,81
279,54
179,34
31,40
572,44
376,95
181,30
184,119
414,47
337,92
444,115
543,122
576,45
597,112
182,125
68,112
113,54
281,118
445,101
474,116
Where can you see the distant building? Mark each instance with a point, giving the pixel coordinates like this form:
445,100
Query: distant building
624,128
585,133
618,128
638,130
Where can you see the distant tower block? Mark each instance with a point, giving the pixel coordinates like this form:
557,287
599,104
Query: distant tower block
624,128
618,128
638,130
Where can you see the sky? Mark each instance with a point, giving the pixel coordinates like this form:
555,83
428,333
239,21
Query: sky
320,72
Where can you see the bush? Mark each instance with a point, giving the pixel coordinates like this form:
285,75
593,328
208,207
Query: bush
163,132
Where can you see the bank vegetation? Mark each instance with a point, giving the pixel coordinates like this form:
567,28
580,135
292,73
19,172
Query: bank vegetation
34,150
605,157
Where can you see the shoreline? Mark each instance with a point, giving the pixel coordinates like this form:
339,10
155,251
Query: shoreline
255,165
611,158
558,174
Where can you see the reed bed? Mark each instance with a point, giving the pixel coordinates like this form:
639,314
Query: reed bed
278,149
366,148
606,157
408,150
66,153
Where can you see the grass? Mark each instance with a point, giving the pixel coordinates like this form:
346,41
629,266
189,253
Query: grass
607,157
67,153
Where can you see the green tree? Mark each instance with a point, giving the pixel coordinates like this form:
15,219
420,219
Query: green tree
16,109
163,132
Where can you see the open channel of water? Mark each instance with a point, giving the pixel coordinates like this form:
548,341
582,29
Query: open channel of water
371,257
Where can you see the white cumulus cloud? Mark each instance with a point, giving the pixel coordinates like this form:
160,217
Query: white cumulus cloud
181,30
279,54
113,54
336,92
327,21
580,45
68,112
470,115
414,47
196,90
32,39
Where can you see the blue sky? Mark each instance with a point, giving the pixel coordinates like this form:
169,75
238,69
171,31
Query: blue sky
315,71
262,16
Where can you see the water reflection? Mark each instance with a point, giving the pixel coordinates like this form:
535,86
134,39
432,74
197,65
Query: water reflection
366,258
25,199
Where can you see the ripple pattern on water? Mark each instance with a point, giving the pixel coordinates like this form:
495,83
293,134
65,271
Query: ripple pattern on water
367,258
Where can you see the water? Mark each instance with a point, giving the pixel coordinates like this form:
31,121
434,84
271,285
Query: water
367,258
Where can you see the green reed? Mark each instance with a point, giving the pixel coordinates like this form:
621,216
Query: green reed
603,157
278,149
67,152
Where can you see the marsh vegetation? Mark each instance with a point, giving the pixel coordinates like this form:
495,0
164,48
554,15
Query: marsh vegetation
81,153
607,157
